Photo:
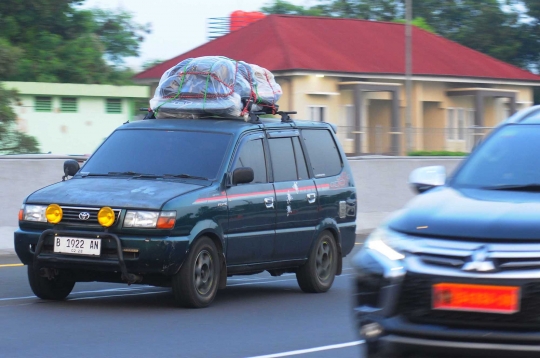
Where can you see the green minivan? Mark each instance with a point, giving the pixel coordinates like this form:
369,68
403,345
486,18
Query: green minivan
186,203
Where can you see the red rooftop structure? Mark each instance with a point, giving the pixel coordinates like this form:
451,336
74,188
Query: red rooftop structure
351,72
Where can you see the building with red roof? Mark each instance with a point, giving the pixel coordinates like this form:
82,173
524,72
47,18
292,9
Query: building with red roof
352,73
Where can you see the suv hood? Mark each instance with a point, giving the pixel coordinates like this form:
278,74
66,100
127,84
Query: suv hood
471,214
113,192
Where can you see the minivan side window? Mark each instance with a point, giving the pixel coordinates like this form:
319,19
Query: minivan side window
252,155
323,152
283,160
300,159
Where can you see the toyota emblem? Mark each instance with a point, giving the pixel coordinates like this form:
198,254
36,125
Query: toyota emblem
84,215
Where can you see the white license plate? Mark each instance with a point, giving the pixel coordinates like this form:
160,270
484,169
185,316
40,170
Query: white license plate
77,246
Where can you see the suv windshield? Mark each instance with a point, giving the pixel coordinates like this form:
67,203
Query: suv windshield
508,160
159,152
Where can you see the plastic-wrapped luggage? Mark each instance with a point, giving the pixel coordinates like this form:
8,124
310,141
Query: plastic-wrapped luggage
215,86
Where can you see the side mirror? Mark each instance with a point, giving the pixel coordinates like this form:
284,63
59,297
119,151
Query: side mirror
71,167
242,175
425,178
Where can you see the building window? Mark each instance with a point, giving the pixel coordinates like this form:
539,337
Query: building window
349,121
68,105
450,124
114,106
43,104
317,113
456,123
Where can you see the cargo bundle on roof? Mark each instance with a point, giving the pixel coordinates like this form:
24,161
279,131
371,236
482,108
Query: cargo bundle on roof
215,86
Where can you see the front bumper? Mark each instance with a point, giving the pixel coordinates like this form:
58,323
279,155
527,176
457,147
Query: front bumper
397,296
119,253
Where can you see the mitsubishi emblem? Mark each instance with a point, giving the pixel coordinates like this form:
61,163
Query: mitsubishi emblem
84,215
480,261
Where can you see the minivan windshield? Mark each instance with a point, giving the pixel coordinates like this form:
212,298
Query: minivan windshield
508,160
159,153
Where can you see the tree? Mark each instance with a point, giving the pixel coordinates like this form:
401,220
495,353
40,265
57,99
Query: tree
56,41
11,140
286,8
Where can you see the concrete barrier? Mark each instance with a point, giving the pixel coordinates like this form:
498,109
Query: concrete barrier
381,182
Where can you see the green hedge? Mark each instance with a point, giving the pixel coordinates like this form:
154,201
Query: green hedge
436,153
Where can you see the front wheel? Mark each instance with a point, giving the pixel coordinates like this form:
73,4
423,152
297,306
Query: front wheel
57,287
318,273
196,284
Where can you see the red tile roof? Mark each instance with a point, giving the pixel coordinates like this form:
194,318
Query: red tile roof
284,42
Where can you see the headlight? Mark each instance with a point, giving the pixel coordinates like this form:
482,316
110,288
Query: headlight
33,213
150,219
387,243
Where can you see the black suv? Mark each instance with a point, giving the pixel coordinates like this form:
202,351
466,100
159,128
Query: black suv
188,202
458,269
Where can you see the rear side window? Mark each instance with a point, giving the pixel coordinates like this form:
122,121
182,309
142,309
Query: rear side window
283,161
300,159
323,152
252,156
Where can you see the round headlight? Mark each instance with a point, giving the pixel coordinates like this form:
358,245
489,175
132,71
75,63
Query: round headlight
53,213
105,216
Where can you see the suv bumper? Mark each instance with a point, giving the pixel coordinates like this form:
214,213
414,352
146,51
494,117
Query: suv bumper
122,253
383,295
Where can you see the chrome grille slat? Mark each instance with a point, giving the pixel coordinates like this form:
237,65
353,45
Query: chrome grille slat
71,215
455,253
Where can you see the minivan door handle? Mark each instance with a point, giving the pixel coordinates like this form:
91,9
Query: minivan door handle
269,202
311,197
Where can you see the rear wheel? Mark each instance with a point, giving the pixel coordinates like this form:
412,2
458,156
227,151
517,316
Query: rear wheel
195,285
318,273
57,287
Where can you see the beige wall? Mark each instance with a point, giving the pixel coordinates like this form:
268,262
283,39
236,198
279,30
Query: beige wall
429,111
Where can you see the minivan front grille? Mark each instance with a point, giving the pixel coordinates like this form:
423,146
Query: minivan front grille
82,216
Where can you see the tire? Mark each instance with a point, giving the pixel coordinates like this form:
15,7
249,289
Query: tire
318,273
196,284
56,288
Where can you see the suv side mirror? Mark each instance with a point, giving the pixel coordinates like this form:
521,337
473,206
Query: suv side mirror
242,175
425,178
71,167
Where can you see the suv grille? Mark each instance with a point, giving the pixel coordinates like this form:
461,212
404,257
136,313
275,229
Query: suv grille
75,216
415,304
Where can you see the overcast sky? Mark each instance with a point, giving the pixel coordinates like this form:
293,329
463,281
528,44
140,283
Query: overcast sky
177,25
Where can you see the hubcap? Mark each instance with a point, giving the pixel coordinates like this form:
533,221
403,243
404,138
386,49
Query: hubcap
324,259
204,272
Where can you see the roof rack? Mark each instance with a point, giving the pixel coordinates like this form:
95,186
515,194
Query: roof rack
285,116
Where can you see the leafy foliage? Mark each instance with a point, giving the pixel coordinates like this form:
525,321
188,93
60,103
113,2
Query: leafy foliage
55,41
12,141
436,153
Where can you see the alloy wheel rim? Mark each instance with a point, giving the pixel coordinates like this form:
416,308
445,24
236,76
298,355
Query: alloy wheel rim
324,259
203,273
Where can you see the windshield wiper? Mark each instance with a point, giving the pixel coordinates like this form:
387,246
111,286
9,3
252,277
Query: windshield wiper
516,187
186,176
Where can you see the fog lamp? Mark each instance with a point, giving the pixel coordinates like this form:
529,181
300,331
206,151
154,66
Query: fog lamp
54,213
106,216
371,330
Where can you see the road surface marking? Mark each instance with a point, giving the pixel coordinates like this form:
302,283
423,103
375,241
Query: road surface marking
75,293
311,350
129,294
271,281
11,265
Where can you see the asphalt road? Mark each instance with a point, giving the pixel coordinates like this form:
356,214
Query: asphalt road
254,316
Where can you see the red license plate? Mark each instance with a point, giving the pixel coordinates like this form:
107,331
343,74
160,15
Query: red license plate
476,298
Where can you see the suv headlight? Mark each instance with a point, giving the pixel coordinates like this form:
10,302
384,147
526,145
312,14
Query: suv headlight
386,242
33,213
150,219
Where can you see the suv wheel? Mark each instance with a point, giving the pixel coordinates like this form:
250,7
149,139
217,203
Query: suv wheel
318,273
195,285
56,288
